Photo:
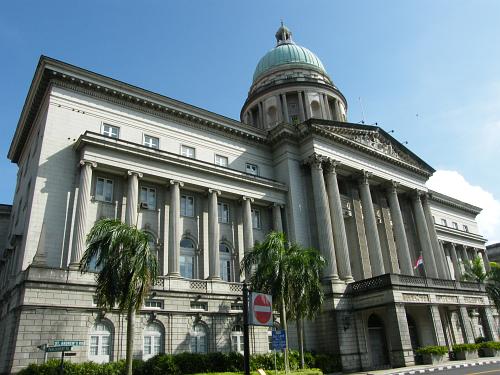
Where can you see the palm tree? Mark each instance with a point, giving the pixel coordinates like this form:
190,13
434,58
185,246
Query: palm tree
127,270
475,272
306,292
278,268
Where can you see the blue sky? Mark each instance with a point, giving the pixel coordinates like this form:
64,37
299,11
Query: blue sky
429,70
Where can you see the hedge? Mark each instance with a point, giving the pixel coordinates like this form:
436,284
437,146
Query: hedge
190,363
437,350
465,347
491,345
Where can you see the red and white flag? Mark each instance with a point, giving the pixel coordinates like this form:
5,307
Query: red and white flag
419,261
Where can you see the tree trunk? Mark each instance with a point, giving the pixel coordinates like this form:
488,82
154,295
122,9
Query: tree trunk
130,339
285,327
300,336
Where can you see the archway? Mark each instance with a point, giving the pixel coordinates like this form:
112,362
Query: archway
377,342
412,328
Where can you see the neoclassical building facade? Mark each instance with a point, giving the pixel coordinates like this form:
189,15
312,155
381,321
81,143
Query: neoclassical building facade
207,188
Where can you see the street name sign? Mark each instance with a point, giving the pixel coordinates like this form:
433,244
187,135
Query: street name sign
69,343
58,348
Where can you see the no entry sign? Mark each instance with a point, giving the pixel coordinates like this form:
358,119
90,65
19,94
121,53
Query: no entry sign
261,309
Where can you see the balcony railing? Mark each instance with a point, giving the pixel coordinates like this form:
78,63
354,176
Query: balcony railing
393,280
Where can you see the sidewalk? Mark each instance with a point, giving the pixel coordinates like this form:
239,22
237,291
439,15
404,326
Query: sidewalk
423,369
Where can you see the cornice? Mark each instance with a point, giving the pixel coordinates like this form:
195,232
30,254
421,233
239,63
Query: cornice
453,202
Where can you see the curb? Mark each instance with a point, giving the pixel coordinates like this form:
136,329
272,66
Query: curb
443,367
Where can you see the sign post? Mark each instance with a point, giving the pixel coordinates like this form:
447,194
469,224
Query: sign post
246,336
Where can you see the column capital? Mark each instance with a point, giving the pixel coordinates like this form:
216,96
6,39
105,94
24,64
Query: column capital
365,177
392,186
244,198
83,162
453,245
211,191
274,204
132,173
416,194
173,182
330,165
314,161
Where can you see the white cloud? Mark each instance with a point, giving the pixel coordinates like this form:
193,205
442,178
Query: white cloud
455,185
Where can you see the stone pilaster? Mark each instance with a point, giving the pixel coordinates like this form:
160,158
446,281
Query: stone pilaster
466,325
437,251
490,327
132,197
437,325
337,219
277,221
403,250
424,237
372,237
213,235
399,336
174,238
454,259
323,220
82,207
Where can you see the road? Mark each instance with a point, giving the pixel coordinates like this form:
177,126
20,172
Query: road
489,369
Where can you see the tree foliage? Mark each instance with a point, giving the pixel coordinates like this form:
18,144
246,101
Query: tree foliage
474,272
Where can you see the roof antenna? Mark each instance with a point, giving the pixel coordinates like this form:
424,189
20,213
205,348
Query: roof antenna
362,110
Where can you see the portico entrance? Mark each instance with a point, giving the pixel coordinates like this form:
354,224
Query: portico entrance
377,342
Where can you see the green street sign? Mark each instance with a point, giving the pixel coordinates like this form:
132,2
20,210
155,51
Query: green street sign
69,342
59,348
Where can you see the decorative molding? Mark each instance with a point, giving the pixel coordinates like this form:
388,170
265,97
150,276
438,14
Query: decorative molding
315,161
447,299
330,165
418,298
83,162
131,173
173,182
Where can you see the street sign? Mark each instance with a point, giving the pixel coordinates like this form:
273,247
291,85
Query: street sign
69,342
59,348
261,309
279,340
69,354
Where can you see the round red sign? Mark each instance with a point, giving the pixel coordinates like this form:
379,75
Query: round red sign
262,308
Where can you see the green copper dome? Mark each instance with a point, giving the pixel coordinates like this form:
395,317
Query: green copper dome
287,52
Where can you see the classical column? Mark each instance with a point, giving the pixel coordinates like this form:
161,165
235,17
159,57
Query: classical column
373,239
445,260
213,235
285,108
424,237
307,108
327,108
82,207
337,219
454,260
261,115
174,237
277,222
437,251
338,111
323,220
247,223
301,107
466,325
402,247
279,108
486,261
132,197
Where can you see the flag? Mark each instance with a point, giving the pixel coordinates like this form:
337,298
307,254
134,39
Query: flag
419,261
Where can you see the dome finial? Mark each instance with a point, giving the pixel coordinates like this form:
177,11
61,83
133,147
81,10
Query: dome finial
283,35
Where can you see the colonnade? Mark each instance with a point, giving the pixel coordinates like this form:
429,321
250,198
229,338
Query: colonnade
459,254
174,229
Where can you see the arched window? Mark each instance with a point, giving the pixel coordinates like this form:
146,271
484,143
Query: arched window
226,271
100,343
187,258
199,339
153,340
237,341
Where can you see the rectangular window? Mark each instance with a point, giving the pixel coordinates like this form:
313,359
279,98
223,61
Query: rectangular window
148,198
152,142
454,225
221,160
466,228
147,345
252,169
443,222
256,219
153,304
187,205
196,305
187,151
223,209
237,307
104,189
105,345
94,345
110,131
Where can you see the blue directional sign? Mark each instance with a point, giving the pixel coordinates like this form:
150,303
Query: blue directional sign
279,340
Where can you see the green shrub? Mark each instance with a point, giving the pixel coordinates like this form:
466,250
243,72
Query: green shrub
465,347
437,350
328,363
491,345
480,339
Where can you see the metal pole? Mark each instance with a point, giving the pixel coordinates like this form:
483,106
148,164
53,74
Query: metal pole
45,354
62,363
246,337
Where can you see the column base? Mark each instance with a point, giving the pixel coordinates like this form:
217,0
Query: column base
216,278
74,266
349,280
175,275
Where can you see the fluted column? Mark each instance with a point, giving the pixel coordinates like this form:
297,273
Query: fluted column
285,108
373,239
486,261
277,222
323,220
82,207
424,237
436,249
279,108
174,238
301,107
446,264
132,197
405,262
261,116
327,108
337,111
213,235
337,219
454,260
247,223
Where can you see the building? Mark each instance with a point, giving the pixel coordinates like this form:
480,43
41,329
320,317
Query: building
493,251
207,187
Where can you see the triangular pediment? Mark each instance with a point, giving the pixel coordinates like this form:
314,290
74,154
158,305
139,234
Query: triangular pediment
374,140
